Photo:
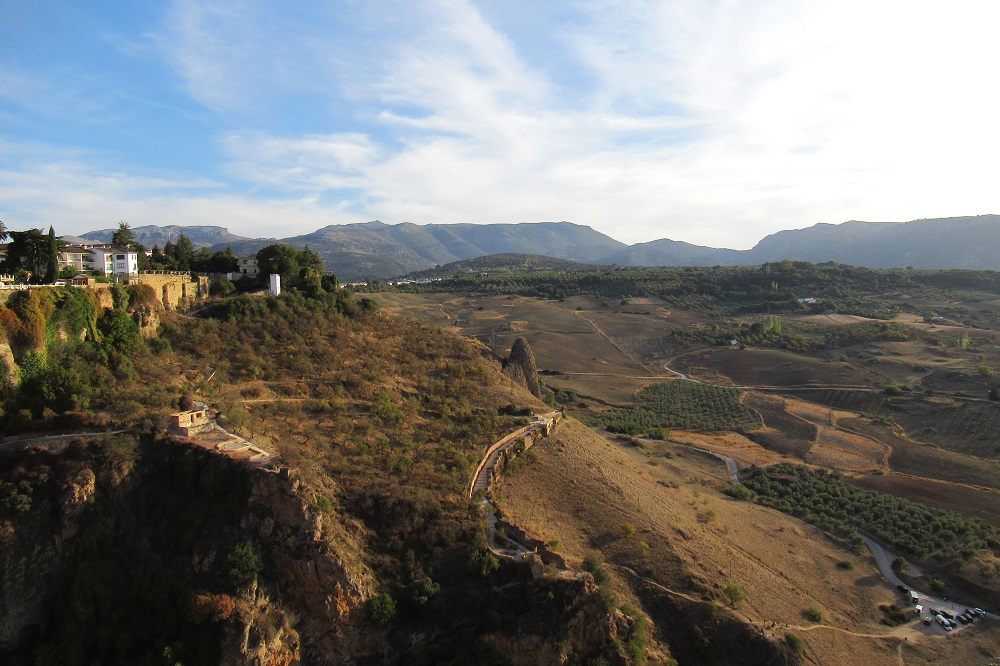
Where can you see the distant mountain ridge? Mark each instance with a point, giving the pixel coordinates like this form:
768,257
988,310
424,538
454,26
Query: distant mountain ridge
150,235
379,250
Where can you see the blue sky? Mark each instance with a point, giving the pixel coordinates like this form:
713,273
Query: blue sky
713,122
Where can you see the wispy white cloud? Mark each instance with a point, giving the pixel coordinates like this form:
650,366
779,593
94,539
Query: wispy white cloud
708,121
80,197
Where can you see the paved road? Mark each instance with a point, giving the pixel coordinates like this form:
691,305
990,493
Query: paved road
883,558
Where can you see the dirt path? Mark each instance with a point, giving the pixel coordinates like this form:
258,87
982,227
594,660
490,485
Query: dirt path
253,401
480,483
17,442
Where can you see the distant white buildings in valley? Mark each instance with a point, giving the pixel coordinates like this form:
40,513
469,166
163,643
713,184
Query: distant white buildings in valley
413,281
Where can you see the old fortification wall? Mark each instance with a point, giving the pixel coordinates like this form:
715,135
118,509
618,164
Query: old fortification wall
177,291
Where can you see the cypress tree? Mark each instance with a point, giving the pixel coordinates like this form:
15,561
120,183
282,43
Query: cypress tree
53,267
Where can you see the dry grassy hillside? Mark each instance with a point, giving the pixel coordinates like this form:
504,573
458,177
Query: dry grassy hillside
658,510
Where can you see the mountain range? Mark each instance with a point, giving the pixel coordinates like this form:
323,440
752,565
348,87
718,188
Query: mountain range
150,235
379,250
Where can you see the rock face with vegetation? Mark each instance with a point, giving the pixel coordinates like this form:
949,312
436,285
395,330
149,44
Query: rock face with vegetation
127,550
520,366
135,548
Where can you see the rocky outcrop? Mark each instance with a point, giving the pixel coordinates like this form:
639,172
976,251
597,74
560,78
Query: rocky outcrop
260,632
35,538
8,367
586,632
521,367
309,605
318,573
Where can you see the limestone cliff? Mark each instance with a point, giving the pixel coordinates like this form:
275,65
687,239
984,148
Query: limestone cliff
521,367
103,540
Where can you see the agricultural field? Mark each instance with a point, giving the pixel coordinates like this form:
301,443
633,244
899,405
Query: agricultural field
823,499
924,460
772,367
972,428
681,404
848,394
837,449
871,403
940,494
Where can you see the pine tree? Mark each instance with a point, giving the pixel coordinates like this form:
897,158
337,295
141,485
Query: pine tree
123,238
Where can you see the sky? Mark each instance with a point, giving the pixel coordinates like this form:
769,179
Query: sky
715,122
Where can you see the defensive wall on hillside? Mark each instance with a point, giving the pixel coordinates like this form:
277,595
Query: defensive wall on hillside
175,290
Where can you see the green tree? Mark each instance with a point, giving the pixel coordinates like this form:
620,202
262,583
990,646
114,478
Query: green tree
297,268
28,251
733,594
242,565
52,269
157,259
382,609
899,565
121,333
123,237
184,253
420,591
484,563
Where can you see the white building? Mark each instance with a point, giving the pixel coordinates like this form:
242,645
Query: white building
274,285
248,266
114,261
76,257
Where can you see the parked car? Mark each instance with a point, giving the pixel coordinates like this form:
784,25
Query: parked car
927,621
946,614
963,619
979,612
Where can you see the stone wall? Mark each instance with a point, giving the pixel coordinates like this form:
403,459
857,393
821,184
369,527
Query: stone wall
175,291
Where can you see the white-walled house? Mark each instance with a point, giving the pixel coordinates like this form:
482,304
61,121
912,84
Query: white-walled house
114,261
76,257
99,258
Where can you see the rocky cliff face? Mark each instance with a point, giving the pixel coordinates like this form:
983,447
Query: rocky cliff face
588,631
521,367
316,567
99,540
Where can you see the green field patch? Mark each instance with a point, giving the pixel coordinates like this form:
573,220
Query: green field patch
823,499
681,404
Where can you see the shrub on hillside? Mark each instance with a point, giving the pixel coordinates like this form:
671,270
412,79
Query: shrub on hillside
382,609
242,565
